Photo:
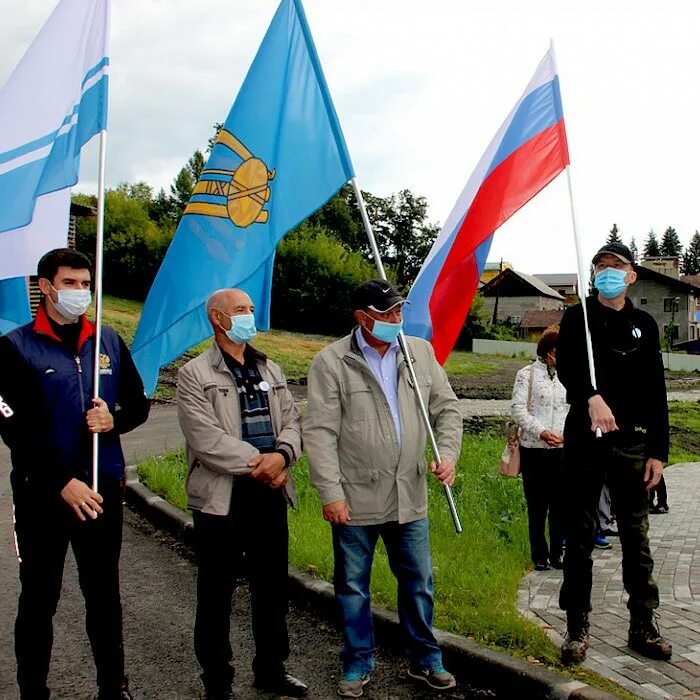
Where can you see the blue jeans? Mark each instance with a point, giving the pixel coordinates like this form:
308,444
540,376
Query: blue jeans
408,549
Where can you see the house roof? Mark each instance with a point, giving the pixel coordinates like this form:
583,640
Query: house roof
559,279
645,273
691,279
82,210
537,318
513,283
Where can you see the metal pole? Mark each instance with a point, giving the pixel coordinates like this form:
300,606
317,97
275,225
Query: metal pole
407,355
99,247
582,290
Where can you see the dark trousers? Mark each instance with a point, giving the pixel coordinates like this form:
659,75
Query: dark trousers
255,526
45,527
542,478
661,494
618,460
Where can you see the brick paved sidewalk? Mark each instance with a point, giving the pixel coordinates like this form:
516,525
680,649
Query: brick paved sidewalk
675,539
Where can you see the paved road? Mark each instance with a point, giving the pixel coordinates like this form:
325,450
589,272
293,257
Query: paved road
158,589
675,546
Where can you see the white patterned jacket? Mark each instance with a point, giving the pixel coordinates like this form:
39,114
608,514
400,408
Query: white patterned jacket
547,408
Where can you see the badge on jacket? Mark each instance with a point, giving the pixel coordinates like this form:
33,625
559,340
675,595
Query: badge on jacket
105,364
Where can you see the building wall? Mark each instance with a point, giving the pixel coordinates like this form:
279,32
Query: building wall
654,293
488,275
518,306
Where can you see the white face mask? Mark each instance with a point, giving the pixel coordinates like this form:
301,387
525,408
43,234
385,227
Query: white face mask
72,303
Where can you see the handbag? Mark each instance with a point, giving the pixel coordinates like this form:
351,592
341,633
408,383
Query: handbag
510,459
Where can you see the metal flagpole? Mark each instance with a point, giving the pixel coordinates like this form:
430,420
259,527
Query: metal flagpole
406,353
99,244
581,270
582,286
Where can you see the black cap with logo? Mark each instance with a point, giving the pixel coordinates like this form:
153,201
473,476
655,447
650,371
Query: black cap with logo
378,295
619,250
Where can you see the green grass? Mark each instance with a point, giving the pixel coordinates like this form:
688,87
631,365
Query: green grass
467,364
476,573
684,417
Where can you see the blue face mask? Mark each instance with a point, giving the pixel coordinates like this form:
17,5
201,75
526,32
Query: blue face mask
610,282
386,332
242,328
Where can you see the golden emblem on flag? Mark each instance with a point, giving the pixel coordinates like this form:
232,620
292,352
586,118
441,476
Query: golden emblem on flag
245,189
105,362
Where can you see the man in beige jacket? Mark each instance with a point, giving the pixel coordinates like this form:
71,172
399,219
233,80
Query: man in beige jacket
366,445
242,432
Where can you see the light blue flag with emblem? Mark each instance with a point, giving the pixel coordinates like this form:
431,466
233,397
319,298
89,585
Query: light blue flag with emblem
280,156
53,103
14,304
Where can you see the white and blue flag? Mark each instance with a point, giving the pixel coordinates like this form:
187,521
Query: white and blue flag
54,102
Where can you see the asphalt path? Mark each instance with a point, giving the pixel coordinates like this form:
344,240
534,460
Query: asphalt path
158,596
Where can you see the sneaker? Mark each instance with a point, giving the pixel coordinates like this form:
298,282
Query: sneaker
573,650
436,678
351,685
599,542
542,565
662,510
644,637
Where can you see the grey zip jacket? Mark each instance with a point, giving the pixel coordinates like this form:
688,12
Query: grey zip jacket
350,437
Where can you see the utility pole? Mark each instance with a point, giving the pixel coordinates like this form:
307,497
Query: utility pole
494,320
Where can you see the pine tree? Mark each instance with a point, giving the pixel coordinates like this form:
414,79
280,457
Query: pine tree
614,235
691,259
671,245
651,247
633,250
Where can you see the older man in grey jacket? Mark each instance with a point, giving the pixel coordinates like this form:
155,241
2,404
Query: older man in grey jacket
242,432
366,445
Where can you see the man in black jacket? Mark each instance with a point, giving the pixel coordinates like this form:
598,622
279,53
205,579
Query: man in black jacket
47,419
629,407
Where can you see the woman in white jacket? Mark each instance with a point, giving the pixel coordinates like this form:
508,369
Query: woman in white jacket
539,407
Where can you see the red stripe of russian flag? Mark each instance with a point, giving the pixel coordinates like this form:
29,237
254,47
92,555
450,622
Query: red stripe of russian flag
528,152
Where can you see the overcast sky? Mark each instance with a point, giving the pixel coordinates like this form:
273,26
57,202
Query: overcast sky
420,89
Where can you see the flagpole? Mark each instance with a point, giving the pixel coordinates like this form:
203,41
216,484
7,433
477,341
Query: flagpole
581,270
99,248
404,349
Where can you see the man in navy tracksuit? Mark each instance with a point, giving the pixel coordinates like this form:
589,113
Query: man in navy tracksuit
47,421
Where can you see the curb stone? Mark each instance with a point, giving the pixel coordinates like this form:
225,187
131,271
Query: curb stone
480,666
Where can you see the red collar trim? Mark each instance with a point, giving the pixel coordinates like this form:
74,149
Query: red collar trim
43,325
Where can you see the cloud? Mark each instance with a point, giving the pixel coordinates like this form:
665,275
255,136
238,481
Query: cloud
420,89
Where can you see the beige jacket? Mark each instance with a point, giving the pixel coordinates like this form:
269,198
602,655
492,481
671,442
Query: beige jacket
209,415
351,439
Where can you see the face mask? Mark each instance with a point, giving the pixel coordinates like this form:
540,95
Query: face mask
386,332
72,303
610,282
242,328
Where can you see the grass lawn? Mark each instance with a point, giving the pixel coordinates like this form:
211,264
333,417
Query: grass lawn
476,573
684,417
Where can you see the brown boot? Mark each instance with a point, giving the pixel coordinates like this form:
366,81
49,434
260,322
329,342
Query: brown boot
573,650
644,636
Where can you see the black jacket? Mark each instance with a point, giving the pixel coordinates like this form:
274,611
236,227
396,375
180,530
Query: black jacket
629,371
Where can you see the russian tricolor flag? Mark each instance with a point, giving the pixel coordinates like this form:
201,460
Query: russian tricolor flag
525,155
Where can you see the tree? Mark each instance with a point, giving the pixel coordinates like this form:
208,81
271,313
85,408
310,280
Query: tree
671,245
691,259
651,246
633,250
614,235
218,126
195,165
404,236
313,281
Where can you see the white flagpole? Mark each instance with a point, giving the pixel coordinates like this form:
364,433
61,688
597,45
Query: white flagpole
404,349
99,247
581,271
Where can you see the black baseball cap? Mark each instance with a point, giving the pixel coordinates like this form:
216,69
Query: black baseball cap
619,250
378,295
